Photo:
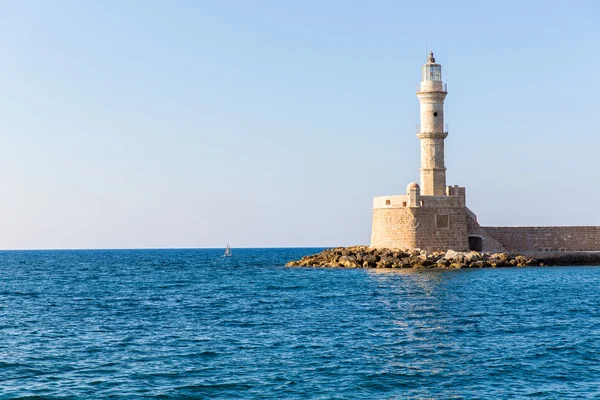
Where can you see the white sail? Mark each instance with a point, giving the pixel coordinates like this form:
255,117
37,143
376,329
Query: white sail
227,251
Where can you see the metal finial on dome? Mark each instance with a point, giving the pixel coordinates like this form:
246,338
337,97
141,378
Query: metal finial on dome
431,59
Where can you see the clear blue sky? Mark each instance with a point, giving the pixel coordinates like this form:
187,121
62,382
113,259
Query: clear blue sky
274,123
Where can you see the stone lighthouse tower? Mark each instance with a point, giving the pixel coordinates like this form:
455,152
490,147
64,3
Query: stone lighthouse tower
431,216
431,93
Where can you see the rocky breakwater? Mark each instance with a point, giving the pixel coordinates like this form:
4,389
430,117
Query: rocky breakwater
365,257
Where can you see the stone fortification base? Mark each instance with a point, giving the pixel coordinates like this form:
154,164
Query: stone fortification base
565,257
366,257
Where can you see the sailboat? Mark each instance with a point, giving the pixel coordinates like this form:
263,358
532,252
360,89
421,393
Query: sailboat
227,251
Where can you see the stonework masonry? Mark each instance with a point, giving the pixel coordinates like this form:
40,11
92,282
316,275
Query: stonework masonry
435,217
431,94
424,222
431,216
547,238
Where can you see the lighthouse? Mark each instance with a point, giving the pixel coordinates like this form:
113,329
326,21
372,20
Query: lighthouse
431,132
430,216
435,217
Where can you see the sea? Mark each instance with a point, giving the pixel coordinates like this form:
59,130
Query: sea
188,324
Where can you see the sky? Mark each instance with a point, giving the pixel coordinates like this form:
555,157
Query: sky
155,124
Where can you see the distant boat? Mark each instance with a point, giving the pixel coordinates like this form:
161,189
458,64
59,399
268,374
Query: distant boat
227,251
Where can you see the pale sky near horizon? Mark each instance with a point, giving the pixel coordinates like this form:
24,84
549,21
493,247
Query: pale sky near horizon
134,124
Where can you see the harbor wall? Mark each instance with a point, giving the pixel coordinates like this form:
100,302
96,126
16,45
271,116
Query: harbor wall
547,238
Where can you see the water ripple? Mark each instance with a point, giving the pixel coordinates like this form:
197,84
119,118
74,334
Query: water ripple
171,324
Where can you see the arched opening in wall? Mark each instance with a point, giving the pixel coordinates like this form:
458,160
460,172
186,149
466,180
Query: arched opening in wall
475,243
388,202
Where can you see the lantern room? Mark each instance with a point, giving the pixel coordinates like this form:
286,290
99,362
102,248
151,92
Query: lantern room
431,71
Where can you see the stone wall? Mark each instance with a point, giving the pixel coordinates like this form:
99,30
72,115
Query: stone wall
390,201
405,227
547,238
430,237
489,243
393,228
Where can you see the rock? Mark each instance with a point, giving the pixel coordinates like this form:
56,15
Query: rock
521,261
365,257
427,263
394,260
371,259
442,263
412,260
386,253
349,262
454,256
400,254
387,262
472,257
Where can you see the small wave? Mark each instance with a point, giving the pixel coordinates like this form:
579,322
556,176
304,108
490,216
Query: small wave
216,386
208,353
20,294
276,287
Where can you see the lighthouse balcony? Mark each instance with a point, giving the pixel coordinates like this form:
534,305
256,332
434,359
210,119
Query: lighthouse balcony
431,129
432,87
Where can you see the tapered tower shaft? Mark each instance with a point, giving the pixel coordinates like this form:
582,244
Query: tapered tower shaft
431,93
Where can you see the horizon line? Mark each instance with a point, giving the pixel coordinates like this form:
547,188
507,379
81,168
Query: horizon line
167,248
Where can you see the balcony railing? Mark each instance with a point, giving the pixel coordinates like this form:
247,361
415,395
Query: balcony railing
443,90
430,130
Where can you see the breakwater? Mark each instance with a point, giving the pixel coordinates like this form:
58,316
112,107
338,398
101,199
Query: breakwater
366,257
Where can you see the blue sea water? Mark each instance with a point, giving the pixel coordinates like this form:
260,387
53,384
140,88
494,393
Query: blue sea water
174,324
